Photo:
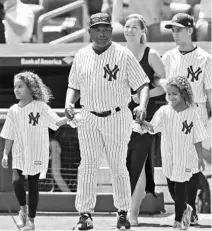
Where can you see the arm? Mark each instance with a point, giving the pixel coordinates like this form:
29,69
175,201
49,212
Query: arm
143,94
201,164
72,95
159,69
148,126
7,148
62,121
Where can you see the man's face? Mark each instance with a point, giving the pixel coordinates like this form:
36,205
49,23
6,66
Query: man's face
181,35
101,35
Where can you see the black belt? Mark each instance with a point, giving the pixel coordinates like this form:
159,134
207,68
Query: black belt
105,113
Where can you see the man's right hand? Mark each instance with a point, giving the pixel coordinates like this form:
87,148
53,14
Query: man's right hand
4,161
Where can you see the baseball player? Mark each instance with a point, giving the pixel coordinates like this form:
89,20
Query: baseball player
26,132
182,132
103,74
190,61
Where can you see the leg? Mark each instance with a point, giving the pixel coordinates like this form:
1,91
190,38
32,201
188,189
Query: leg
116,132
91,149
177,192
33,195
191,190
137,197
18,185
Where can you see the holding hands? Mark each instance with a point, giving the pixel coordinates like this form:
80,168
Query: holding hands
140,113
4,161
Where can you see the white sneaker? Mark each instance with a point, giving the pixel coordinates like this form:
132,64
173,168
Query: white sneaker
187,216
22,219
179,225
29,227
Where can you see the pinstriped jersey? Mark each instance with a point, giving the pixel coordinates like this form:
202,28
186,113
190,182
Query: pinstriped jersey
179,132
28,128
195,65
105,80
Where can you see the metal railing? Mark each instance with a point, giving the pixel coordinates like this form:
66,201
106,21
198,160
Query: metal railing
61,10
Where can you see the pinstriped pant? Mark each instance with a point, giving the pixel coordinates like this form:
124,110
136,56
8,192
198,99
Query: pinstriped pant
103,136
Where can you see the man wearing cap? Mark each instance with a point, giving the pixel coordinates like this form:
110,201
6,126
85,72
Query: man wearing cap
102,76
193,62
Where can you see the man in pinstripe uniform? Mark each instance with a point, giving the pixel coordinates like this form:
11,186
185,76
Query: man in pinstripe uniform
102,75
191,61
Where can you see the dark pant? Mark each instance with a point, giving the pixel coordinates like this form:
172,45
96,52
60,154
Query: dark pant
178,194
33,194
139,151
191,190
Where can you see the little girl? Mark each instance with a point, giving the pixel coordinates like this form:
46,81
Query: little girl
26,132
182,132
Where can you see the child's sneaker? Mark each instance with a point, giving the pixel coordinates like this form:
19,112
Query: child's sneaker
187,216
122,222
85,222
179,225
22,218
29,227
194,219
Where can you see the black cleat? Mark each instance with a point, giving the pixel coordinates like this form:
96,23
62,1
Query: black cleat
85,222
122,222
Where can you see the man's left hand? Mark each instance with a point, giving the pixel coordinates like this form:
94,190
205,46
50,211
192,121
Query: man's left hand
140,113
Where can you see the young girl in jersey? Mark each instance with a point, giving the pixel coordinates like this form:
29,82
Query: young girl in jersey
182,132
26,132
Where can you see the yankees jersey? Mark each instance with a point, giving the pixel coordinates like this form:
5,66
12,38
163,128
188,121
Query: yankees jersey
179,132
28,128
105,80
195,65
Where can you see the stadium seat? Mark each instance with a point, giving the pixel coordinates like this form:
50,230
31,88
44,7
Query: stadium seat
193,2
53,28
36,2
203,31
180,8
37,10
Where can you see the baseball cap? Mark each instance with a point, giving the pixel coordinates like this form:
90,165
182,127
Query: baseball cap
181,20
100,18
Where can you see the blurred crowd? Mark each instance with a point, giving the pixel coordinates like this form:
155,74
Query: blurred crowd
18,18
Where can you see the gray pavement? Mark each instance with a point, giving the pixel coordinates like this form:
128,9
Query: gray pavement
102,221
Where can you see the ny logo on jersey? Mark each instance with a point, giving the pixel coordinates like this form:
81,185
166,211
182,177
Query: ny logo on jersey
33,119
187,128
111,73
194,75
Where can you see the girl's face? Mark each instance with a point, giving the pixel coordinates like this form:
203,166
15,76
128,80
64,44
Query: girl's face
21,90
173,96
133,31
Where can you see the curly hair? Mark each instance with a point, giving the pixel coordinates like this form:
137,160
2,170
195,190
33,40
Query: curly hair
38,89
184,88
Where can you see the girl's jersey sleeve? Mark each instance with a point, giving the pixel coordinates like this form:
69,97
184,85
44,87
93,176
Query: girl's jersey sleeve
51,117
8,127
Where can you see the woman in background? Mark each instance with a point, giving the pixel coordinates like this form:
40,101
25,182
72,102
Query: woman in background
139,162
